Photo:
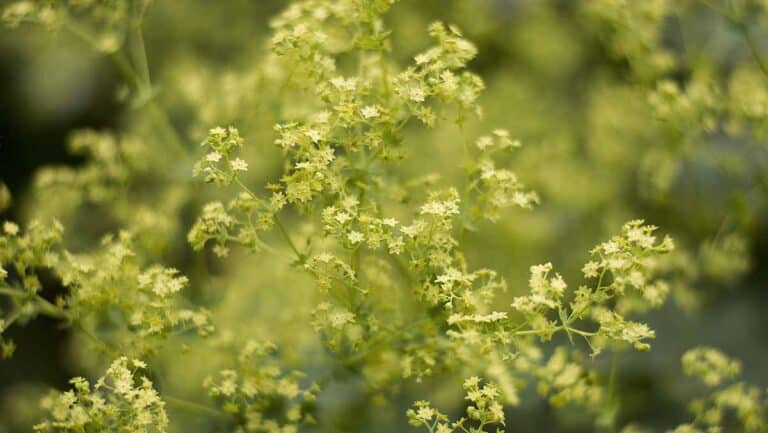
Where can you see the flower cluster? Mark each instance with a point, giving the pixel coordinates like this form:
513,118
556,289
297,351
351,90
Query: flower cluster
565,380
496,188
338,327
148,299
354,228
484,410
240,221
745,402
710,365
724,258
634,31
104,22
624,268
437,76
214,223
693,109
748,102
546,292
21,255
100,179
262,396
121,400
218,165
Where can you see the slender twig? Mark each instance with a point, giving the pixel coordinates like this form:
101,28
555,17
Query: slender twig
10,292
278,223
9,320
140,54
717,8
91,336
755,52
129,74
287,237
744,29
612,393
193,406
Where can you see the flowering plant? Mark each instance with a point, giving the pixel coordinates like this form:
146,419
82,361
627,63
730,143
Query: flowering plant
299,232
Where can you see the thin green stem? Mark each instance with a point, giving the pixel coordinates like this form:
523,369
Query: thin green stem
612,379
287,237
580,332
717,8
54,311
125,69
45,307
402,123
8,321
161,118
612,394
384,75
141,85
554,330
10,292
402,268
140,55
574,314
355,261
744,29
144,86
50,309
390,336
245,188
193,406
278,223
755,52
95,339
122,64
534,331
